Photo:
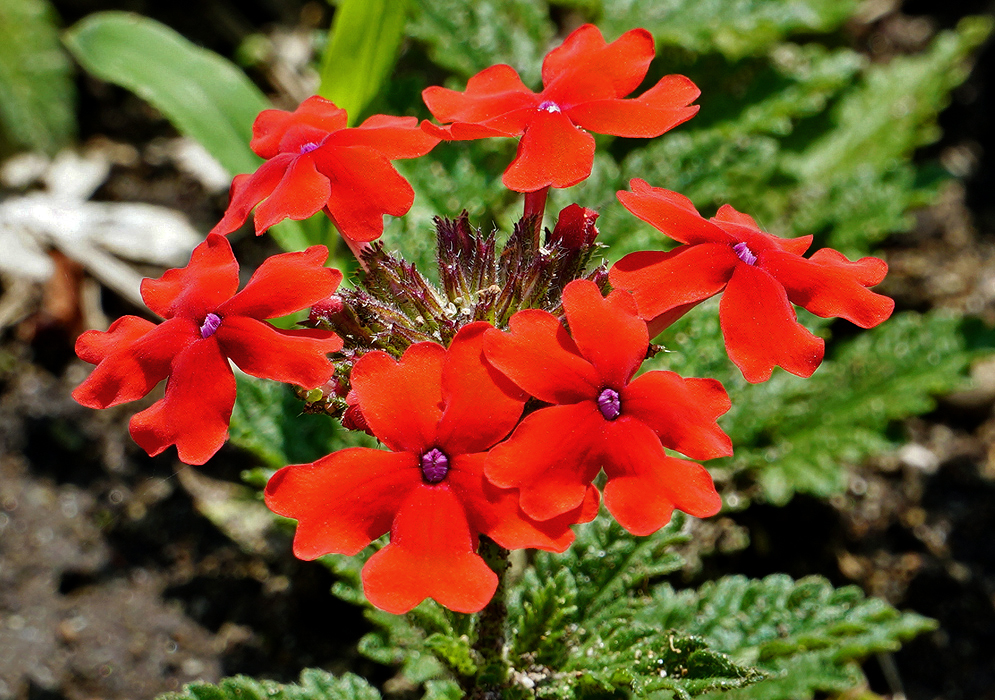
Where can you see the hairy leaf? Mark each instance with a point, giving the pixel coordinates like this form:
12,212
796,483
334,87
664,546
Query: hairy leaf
807,635
466,36
315,684
733,28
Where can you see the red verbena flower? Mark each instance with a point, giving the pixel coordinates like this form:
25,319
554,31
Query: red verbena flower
762,275
602,418
207,324
314,162
584,82
437,411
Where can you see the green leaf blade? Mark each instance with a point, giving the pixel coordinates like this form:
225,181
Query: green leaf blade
361,52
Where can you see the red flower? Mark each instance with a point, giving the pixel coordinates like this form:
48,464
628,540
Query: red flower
207,324
314,162
438,411
584,82
762,275
602,418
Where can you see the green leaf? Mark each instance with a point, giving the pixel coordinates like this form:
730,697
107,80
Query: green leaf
467,36
37,97
893,111
361,52
734,28
267,421
202,94
809,637
577,629
799,435
315,684
205,96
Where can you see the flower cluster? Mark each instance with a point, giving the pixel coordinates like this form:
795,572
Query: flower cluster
501,393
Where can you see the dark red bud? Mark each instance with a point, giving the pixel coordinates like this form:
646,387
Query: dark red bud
575,227
327,308
353,418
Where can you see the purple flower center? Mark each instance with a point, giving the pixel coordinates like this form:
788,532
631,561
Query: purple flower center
549,106
210,327
308,147
434,466
745,254
609,404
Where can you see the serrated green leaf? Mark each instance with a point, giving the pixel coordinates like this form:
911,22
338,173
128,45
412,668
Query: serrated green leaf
574,629
799,435
466,36
202,94
361,52
808,636
734,28
314,684
267,420
894,110
37,96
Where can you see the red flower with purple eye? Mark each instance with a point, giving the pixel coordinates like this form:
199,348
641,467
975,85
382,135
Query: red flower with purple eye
584,82
602,418
438,411
762,276
207,324
314,162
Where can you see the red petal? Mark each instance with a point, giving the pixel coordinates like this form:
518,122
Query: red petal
272,124
365,186
490,94
196,410
343,501
392,137
301,193
94,346
686,275
495,512
681,412
249,190
431,555
133,355
210,278
584,67
656,111
608,332
552,457
828,285
645,485
402,401
540,357
461,131
671,213
552,153
482,405
761,330
289,356
283,284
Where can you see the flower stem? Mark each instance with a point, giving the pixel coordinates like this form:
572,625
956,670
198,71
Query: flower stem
535,205
492,671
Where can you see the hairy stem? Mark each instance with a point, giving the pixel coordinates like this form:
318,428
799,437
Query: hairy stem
489,643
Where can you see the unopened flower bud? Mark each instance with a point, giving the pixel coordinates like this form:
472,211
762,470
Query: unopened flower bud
575,227
325,309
